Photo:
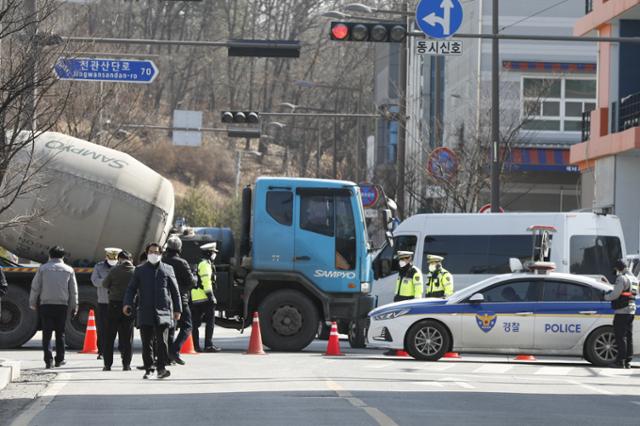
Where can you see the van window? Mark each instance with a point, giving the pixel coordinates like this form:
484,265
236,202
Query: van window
280,206
385,264
477,254
594,255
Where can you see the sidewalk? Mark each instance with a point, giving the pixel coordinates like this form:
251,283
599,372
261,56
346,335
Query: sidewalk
9,372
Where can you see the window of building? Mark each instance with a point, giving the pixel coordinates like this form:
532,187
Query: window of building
556,103
280,206
477,254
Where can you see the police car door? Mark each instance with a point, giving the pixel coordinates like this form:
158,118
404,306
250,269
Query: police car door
566,314
505,319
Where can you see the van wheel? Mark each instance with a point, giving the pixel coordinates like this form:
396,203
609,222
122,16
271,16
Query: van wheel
289,321
427,340
600,348
18,323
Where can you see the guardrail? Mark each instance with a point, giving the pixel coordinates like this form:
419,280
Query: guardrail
628,112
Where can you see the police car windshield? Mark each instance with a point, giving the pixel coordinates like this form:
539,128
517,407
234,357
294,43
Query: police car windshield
474,288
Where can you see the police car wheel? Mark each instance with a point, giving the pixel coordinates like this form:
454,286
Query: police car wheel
600,348
428,340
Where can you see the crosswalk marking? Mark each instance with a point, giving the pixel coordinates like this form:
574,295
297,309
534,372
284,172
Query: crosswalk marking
438,366
465,385
554,371
493,368
429,383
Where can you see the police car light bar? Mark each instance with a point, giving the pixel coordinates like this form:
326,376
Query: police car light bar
547,228
541,267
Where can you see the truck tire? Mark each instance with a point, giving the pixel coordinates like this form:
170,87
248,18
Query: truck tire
18,323
357,334
289,321
324,330
76,327
600,349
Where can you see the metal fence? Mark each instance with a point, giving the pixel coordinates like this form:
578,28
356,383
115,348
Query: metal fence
586,126
628,114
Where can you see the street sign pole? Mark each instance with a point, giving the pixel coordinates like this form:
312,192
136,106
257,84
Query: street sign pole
495,112
402,123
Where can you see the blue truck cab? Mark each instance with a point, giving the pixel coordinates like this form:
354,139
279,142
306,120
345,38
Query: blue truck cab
309,260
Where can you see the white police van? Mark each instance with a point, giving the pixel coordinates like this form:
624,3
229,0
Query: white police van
478,246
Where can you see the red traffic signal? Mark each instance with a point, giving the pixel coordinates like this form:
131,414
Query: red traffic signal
373,32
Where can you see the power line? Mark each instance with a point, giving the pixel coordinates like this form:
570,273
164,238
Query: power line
534,14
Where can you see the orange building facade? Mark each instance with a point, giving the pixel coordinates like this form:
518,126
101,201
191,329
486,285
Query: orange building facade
609,156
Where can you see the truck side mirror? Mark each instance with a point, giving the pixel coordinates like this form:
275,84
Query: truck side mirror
385,266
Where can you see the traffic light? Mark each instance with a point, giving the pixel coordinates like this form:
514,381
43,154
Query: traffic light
373,32
264,48
237,117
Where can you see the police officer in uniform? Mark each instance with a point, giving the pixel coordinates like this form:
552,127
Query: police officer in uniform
409,283
622,299
440,282
203,301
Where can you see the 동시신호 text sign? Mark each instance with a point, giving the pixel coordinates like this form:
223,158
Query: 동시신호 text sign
439,47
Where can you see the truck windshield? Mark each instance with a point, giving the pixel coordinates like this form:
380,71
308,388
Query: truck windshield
594,255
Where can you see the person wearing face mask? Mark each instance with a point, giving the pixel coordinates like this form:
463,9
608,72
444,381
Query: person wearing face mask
440,283
154,282
186,282
100,272
203,301
118,323
623,302
409,283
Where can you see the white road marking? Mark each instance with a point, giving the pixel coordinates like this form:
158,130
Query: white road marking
381,365
589,387
465,385
437,367
377,415
429,383
42,401
553,371
493,368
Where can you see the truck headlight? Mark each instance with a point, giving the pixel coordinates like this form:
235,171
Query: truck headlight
391,314
365,287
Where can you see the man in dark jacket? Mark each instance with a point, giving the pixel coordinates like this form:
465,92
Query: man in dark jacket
159,303
186,282
116,283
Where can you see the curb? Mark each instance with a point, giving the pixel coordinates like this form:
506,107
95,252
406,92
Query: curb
9,372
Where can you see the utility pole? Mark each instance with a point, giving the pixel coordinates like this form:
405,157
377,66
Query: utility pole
402,121
495,111
335,140
31,45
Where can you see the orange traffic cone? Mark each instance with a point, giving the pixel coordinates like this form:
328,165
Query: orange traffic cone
333,347
402,353
525,358
90,337
255,342
453,355
187,347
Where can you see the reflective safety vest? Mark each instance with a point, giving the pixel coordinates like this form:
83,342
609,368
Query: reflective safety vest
409,284
634,286
205,281
440,284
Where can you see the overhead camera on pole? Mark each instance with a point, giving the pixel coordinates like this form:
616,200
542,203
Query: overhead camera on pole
371,32
240,117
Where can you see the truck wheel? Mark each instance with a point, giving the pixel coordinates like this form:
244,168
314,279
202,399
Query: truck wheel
357,334
600,349
427,340
76,327
323,330
289,320
18,323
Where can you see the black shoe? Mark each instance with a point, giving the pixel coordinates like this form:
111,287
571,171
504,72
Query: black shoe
177,360
126,368
106,368
163,374
148,374
48,365
141,367
212,348
59,363
99,356
390,352
627,365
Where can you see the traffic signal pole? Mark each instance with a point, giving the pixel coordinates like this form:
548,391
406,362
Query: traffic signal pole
402,122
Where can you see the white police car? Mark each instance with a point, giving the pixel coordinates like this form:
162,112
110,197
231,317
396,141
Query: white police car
552,314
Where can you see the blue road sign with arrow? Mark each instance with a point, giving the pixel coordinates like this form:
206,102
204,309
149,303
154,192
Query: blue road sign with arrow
101,69
439,18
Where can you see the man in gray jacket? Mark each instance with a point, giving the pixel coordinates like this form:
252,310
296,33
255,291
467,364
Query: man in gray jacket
623,294
100,272
54,290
